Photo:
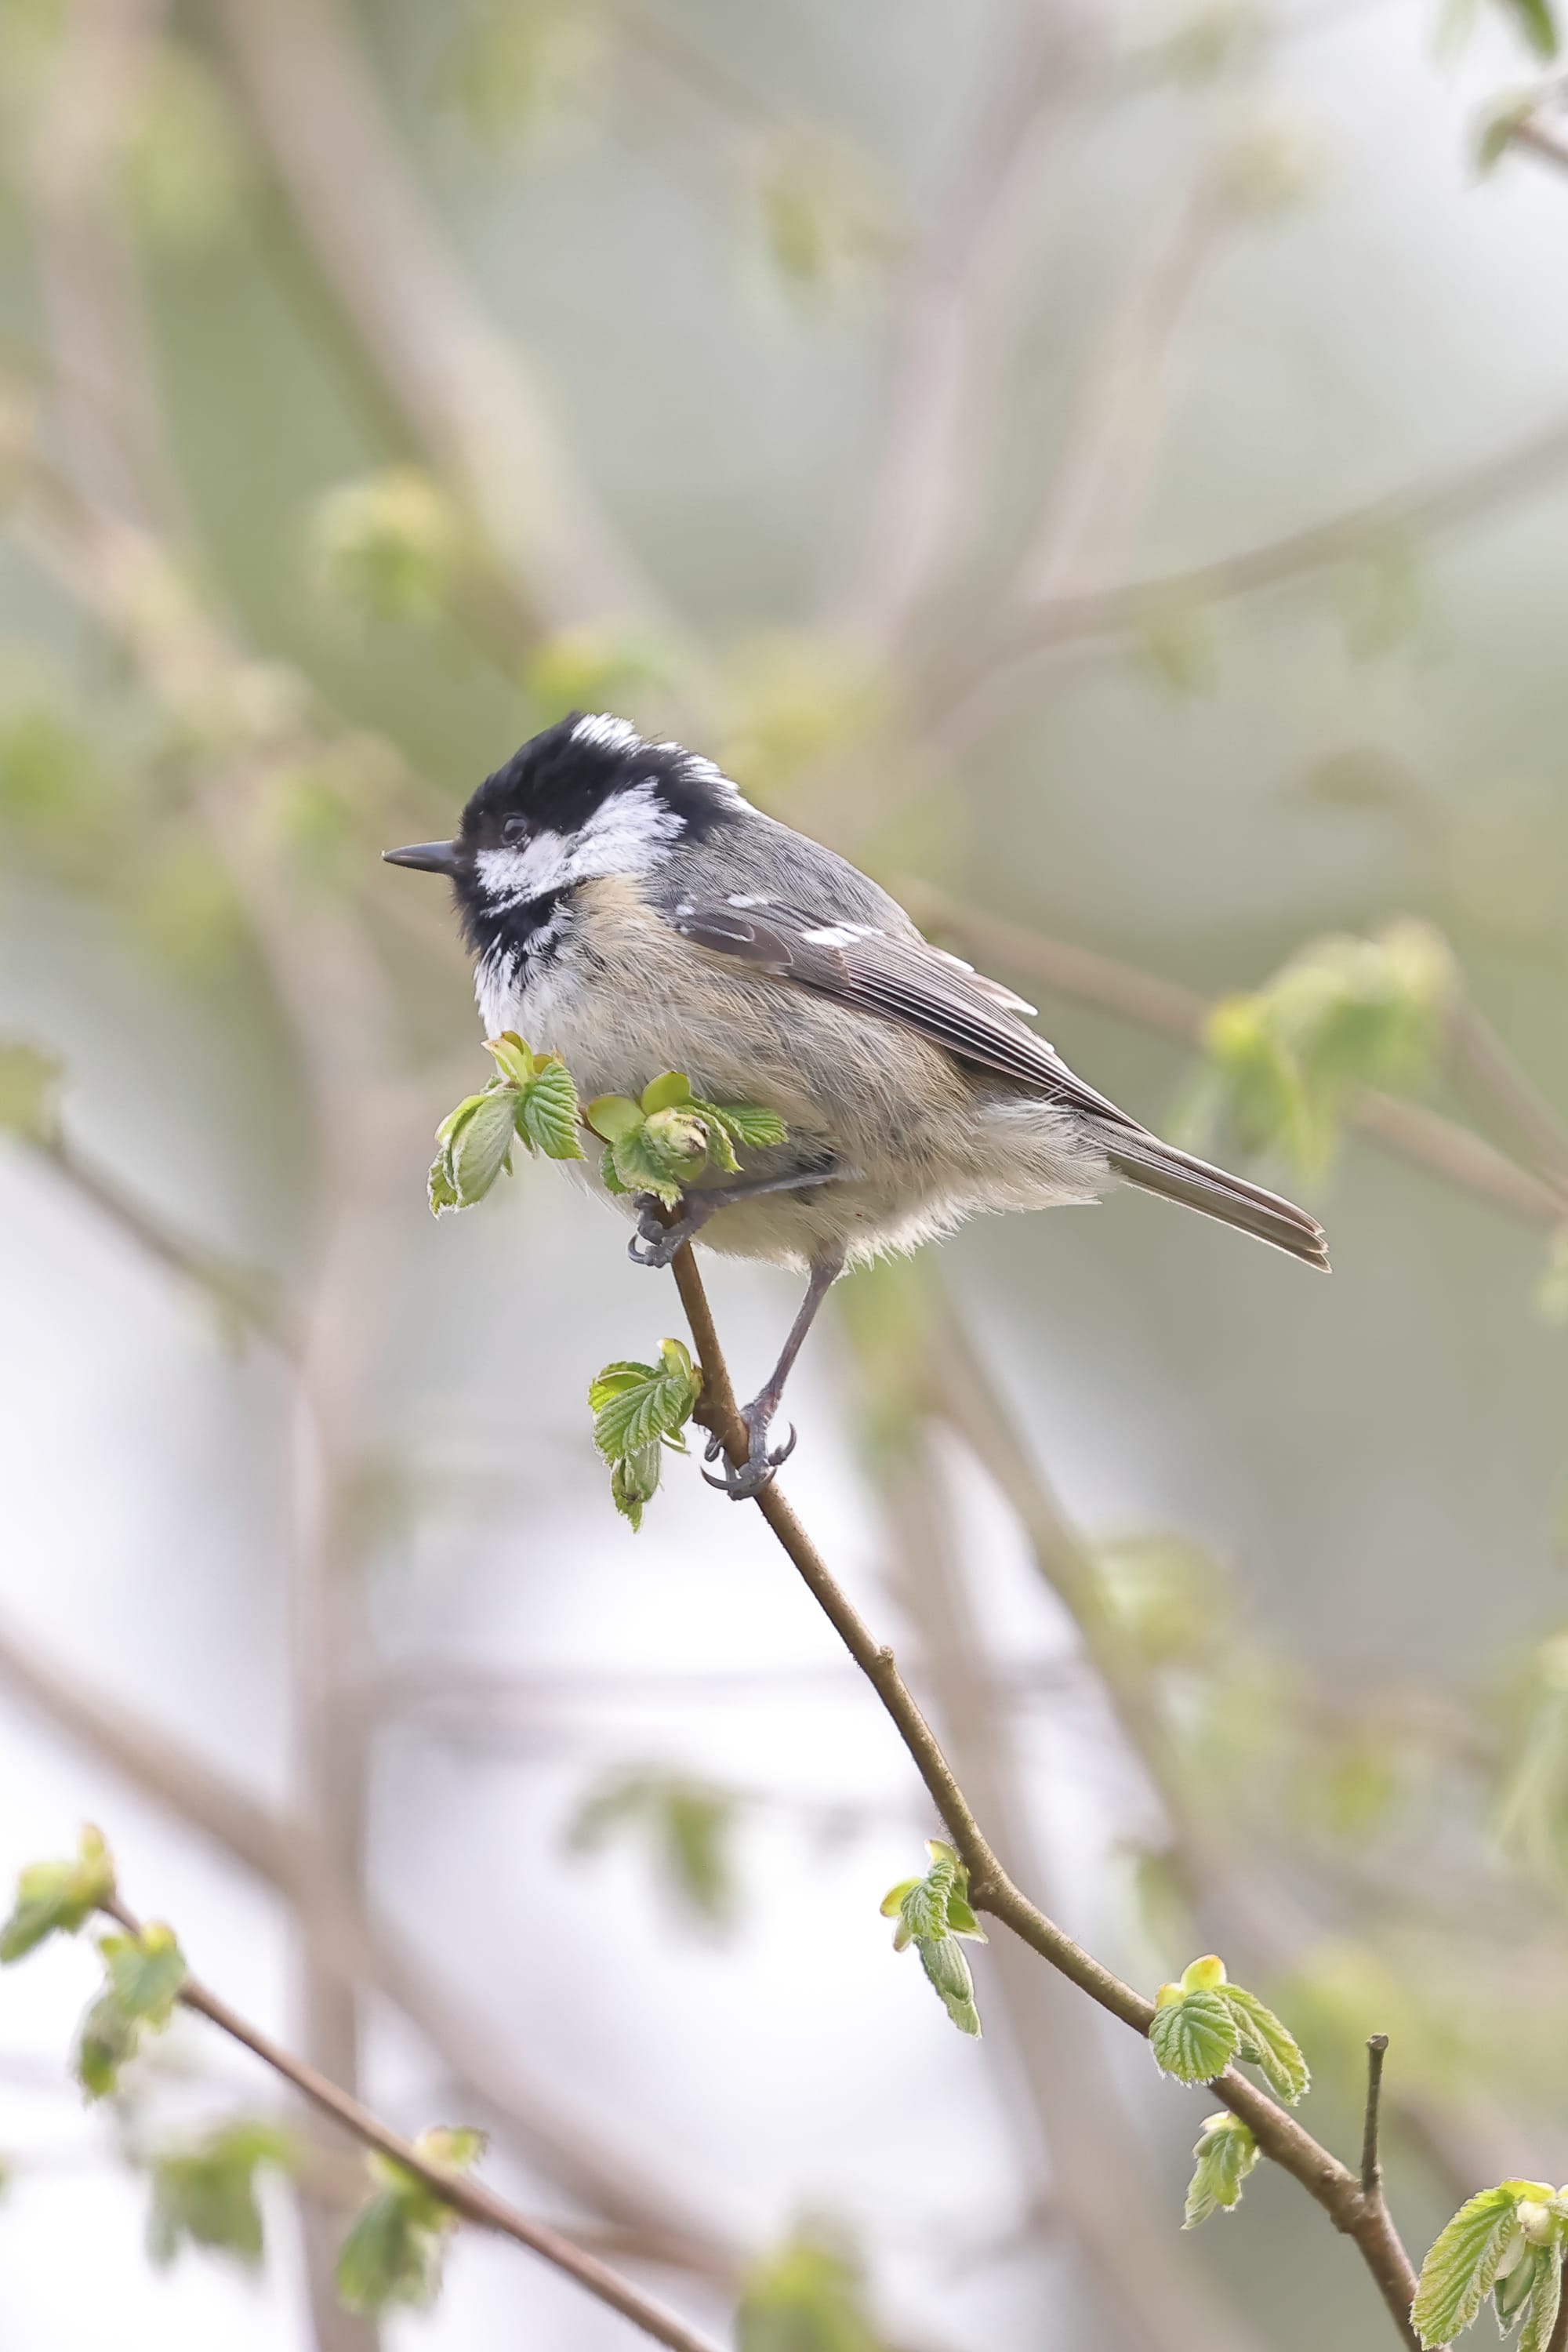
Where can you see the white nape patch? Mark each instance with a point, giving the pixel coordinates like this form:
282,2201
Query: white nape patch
607,733
629,833
743,898
837,935
703,772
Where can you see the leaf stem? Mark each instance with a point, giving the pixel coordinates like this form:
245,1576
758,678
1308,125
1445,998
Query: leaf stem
468,2198
1280,2138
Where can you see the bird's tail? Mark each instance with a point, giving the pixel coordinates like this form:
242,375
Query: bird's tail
1159,1167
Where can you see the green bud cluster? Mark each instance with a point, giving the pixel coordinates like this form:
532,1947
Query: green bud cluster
1205,2022
933,1913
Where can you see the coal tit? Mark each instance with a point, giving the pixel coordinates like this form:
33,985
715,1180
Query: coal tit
629,909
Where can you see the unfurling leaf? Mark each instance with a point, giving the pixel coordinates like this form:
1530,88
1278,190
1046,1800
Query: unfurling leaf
474,1144
145,1973
204,2196
638,1408
1226,2153
1193,2036
932,1913
1458,2273
544,1100
393,2253
57,1897
1268,2045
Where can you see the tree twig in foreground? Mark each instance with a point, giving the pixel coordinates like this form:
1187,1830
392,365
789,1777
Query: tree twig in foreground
1278,2135
468,2198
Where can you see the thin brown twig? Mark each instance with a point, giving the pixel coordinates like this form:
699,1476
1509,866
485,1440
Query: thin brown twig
466,2197
275,1847
1371,2162
964,696
1278,2135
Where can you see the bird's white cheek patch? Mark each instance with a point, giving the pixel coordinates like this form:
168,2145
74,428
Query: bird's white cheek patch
510,877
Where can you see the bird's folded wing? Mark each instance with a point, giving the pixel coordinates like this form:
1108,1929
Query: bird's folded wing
903,978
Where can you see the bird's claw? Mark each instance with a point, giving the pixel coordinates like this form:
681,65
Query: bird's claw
655,1243
743,1481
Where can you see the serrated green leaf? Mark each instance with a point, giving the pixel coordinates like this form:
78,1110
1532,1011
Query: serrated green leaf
1545,2294
614,1116
615,1379
1194,2037
439,1189
1226,2153
640,1168
636,1418
748,1123
548,1115
608,1178
941,1956
1278,2055
57,1897
633,1483
1458,2272
674,1087
721,1148
205,2197
146,1972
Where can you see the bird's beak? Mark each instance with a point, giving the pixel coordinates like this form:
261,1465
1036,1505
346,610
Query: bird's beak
429,856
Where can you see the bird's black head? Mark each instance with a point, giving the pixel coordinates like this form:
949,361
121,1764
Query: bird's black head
587,797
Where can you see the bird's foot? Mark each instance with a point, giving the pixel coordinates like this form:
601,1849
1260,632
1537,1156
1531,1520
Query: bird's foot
654,1242
743,1481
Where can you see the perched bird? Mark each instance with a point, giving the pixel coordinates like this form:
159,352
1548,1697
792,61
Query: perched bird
630,911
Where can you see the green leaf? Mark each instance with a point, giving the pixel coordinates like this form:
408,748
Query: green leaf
1545,2294
57,1897
548,1115
608,1175
614,1116
665,1093
640,1168
106,2039
747,1123
932,1913
393,2255
1458,2272
29,1088
941,1956
1269,2045
677,1139
388,545
1538,23
145,1973
1496,124
633,1483
638,1413
1225,2152
514,1059
440,1191
204,2196
807,2297
477,1144
1194,2037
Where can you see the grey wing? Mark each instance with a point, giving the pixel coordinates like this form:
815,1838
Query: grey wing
899,976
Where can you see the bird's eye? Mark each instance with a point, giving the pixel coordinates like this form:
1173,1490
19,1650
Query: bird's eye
513,830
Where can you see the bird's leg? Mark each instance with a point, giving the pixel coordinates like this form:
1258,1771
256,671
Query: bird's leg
741,1480
656,1243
